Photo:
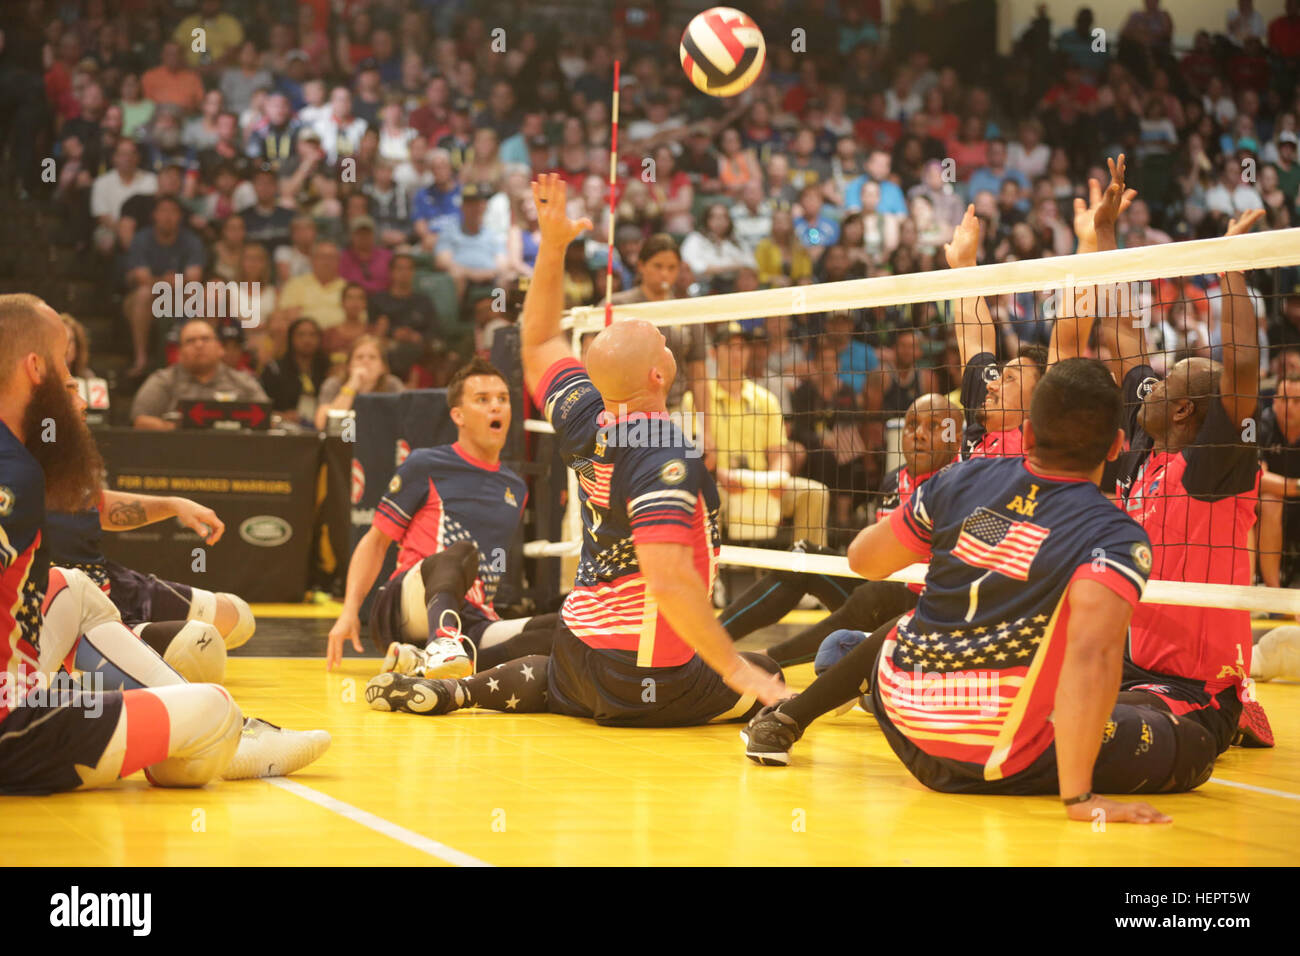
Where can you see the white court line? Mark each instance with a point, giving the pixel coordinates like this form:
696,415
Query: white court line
412,839
1285,794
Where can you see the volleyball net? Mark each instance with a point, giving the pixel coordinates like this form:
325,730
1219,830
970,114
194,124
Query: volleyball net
798,398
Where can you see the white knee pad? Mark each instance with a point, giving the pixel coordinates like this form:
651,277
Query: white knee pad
204,734
203,606
197,653
415,612
243,630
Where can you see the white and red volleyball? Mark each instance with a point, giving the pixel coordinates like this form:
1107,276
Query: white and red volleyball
722,51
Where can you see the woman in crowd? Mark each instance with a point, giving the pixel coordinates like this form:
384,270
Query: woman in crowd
340,339
713,255
366,371
782,259
293,381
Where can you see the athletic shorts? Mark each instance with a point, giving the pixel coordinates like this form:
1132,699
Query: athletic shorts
386,617
1145,749
145,598
41,746
1218,713
611,690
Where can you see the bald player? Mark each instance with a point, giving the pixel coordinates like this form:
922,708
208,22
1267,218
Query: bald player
53,735
638,643
931,439
1192,483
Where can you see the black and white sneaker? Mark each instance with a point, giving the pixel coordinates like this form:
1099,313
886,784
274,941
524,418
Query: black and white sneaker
414,695
769,736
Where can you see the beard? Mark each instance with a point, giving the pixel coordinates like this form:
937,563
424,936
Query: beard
71,461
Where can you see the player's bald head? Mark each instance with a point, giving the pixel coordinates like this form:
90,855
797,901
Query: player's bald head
27,325
932,403
629,364
1194,378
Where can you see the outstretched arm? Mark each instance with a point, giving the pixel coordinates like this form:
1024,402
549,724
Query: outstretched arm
1094,227
123,511
542,341
1239,385
976,331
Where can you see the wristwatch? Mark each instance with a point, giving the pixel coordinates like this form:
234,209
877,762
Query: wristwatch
1081,798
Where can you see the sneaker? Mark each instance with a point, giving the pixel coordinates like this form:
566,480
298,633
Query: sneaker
414,695
403,659
769,737
1277,655
444,656
1253,729
266,750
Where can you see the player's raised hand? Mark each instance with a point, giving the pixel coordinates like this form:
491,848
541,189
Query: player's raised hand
347,627
1239,227
963,249
1113,811
202,521
549,192
1108,206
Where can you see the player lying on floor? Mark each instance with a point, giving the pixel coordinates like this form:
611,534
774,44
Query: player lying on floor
1006,677
167,615
1191,481
637,643
453,511
932,430
50,740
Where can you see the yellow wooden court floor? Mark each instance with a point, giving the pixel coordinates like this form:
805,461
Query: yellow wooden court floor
485,788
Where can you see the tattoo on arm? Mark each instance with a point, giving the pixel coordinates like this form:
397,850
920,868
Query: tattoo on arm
127,514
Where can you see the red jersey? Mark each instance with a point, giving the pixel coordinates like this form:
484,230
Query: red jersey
1197,505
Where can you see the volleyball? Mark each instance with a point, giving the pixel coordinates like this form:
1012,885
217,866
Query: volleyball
722,51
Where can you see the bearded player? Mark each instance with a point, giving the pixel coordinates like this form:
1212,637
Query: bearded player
53,735
453,511
638,643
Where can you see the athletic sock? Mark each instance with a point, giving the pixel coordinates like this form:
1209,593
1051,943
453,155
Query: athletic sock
447,575
518,686
534,638
158,634
843,682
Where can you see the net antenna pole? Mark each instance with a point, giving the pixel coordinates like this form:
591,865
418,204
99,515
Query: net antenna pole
613,181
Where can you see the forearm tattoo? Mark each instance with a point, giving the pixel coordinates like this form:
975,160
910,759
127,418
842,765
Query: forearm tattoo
127,514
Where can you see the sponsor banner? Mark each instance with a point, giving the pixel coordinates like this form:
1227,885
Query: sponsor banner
263,487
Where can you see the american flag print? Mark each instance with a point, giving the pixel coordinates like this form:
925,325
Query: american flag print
594,477
990,540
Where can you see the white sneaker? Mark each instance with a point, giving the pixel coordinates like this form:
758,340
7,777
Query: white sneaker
445,656
403,659
266,750
1277,655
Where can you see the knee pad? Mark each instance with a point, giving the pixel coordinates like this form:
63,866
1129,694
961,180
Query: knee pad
205,730
197,653
203,606
244,627
415,612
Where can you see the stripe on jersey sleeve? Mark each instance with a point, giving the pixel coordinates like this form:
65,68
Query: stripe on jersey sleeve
912,532
1124,581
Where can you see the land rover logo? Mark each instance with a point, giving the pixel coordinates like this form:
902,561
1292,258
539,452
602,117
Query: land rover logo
265,531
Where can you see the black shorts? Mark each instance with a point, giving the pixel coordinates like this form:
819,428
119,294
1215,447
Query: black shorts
144,598
1145,749
613,691
42,745
386,617
1218,713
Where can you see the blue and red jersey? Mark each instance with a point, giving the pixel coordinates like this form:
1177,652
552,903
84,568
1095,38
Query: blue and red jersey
24,570
441,496
971,674
639,481
1197,505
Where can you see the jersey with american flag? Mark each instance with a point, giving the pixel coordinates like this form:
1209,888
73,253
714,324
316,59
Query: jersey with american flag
971,675
442,495
977,441
631,492
24,569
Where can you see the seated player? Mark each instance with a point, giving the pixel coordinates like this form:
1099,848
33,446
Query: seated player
930,440
637,644
181,734
1191,482
996,400
1006,678
170,617
453,511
